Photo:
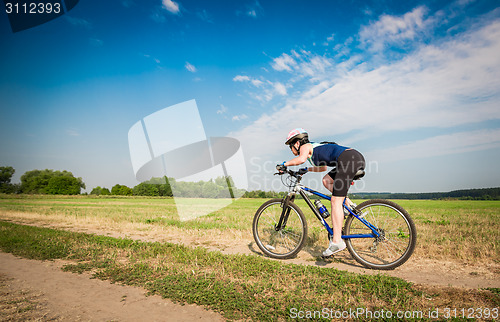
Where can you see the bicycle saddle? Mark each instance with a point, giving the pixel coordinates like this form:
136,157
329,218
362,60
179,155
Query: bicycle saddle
360,174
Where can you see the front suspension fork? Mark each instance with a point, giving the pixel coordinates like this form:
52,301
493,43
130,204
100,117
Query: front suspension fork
285,213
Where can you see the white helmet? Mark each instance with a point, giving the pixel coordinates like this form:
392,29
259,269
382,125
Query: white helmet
296,134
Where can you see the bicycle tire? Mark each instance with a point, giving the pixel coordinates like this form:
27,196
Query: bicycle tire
285,243
398,235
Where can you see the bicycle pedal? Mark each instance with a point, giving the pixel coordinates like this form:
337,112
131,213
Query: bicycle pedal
327,257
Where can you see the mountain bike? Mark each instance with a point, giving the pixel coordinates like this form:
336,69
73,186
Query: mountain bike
379,234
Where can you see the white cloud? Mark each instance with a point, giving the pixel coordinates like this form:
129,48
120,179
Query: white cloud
452,82
440,145
284,62
205,16
280,88
171,6
222,109
303,64
239,117
190,67
316,66
79,22
256,82
156,60
392,30
267,89
254,10
329,39
241,78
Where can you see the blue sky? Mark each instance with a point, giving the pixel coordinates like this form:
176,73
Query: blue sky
413,85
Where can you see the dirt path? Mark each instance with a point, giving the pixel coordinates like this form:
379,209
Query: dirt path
48,293
101,301
418,271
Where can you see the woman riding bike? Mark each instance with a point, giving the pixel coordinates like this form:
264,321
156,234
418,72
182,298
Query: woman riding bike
322,155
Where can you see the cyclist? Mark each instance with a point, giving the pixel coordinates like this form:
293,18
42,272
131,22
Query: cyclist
322,155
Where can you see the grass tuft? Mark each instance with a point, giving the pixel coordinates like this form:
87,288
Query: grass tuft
238,286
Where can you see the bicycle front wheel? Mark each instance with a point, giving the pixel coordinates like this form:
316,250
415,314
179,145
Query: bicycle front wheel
397,239
284,242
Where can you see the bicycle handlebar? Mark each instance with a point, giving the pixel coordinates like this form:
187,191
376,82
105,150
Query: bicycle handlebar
294,174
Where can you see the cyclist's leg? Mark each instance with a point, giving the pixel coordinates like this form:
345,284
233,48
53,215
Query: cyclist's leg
337,218
348,163
328,180
336,203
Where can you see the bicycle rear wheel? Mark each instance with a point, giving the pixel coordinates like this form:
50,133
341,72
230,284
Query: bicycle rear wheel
398,235
282,243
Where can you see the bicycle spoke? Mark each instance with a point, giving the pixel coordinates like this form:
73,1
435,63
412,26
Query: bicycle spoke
288,239
395,243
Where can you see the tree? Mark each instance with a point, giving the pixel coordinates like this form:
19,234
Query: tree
154,187
100,191
121,190
39,181
63,185
6,174
146,189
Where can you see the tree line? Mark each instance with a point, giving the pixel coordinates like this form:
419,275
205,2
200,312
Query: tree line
464,194
64,183
41,182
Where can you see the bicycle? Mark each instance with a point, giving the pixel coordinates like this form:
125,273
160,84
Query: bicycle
379,234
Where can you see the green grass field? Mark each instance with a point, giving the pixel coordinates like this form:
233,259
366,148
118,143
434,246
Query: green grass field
245,286
466,231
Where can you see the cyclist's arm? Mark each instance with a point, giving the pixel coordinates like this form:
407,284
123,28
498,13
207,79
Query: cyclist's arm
305,151
317,169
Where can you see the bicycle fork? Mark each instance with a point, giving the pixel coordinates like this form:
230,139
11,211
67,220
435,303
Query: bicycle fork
285,213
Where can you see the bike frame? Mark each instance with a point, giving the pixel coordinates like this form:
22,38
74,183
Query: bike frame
301,189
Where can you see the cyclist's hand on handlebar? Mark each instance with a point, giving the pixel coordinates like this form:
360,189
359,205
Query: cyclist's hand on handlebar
281,168
303,171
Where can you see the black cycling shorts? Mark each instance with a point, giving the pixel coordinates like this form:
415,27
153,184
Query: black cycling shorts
348,163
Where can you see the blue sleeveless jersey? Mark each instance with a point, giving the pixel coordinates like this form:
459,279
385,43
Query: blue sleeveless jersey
326,154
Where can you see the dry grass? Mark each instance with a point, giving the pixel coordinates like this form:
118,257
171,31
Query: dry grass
463,231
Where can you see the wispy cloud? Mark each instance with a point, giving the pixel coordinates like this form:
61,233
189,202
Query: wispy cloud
440,145
205,16
303,64
267,89
222,109
239,117
171,6
78,22
449,82
284,62
395,30
156,60
253,10
190,67
241,78
280,88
